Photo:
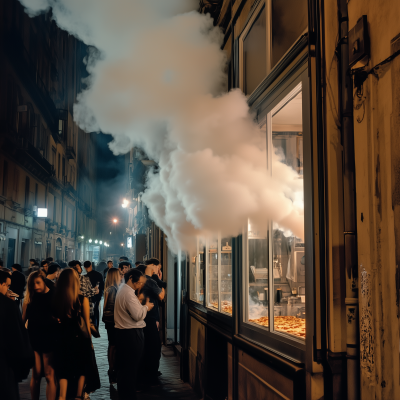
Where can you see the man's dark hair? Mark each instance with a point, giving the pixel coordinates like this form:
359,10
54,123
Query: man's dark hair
141,268
33,260
133,274
123,263
35,265
74,262
1,263
109,261
87,264
138,263
49,259
17,267
43,263
152,261
4,276
124,258
53,267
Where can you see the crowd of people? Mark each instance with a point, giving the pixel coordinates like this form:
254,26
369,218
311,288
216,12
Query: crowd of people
52,314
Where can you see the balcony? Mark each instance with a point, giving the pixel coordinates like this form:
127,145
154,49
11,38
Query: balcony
28,156
27,72
70,153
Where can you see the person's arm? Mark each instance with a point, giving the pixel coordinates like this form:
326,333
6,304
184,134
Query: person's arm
24,307
161,295
86,312
136,310
161,284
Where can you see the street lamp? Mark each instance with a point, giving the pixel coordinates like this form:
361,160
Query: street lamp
90,240
96,241
101,242
122,244
125,203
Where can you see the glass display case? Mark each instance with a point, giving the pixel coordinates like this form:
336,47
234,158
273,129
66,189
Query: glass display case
274,257
196,275
219,275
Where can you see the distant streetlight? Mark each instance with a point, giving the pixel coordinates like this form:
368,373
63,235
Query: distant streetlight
115,220
90,240
101,242
96,241
125,203
122,244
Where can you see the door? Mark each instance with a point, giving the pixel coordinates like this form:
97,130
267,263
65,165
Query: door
11,252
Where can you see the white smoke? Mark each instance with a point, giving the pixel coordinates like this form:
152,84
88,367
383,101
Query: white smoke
158,84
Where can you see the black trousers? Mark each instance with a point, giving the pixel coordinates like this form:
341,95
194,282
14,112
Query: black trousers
96,314
130,345
152,349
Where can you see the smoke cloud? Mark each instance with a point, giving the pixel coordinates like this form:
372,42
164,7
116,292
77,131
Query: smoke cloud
157,82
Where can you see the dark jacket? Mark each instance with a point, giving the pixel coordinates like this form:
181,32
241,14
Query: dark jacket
109,303
16,354
18,281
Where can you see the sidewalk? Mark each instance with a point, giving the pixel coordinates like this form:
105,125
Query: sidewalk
171,386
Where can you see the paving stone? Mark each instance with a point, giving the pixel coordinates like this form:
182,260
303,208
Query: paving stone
171,386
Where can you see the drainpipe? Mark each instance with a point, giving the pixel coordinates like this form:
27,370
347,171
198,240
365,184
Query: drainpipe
349,206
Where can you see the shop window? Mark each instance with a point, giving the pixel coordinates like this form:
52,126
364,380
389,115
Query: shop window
197,275
272,29
289,19
255,53
219,275
273,256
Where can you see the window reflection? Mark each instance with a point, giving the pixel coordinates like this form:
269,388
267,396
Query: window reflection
197,275
276,260
255,54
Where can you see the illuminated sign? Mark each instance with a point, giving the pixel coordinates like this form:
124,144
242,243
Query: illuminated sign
42,212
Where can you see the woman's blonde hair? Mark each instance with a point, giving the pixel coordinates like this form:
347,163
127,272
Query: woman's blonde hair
113,278
66,300
30,291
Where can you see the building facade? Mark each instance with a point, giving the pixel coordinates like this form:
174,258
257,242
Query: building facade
46,161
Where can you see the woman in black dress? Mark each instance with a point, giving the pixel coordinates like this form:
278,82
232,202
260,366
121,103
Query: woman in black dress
37,310
73,350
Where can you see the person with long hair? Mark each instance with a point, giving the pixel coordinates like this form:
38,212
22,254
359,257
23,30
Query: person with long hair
73,351
110,292
37,310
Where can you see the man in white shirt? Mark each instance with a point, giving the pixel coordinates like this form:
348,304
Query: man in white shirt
129,316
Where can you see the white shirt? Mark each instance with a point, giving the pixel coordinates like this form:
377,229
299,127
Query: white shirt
128,312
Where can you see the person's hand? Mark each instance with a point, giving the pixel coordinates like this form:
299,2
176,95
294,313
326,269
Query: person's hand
96,290
141,297
158,325
149,305
11,294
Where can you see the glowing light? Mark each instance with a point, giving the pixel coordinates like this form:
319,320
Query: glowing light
96,241
101,242
122,244
115,220
90,240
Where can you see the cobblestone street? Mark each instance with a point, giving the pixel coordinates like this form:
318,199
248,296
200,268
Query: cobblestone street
171,386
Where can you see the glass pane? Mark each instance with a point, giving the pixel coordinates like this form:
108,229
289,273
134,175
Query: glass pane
258,269
226,275
197,277
212,274
255,54
289,19
288,250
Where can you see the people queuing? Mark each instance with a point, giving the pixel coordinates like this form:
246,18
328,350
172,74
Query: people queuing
37,311
16,354
129,315
113,281
60,314
155,293
96,280
18,282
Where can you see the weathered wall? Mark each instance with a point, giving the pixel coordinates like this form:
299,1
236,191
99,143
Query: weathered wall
376,156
